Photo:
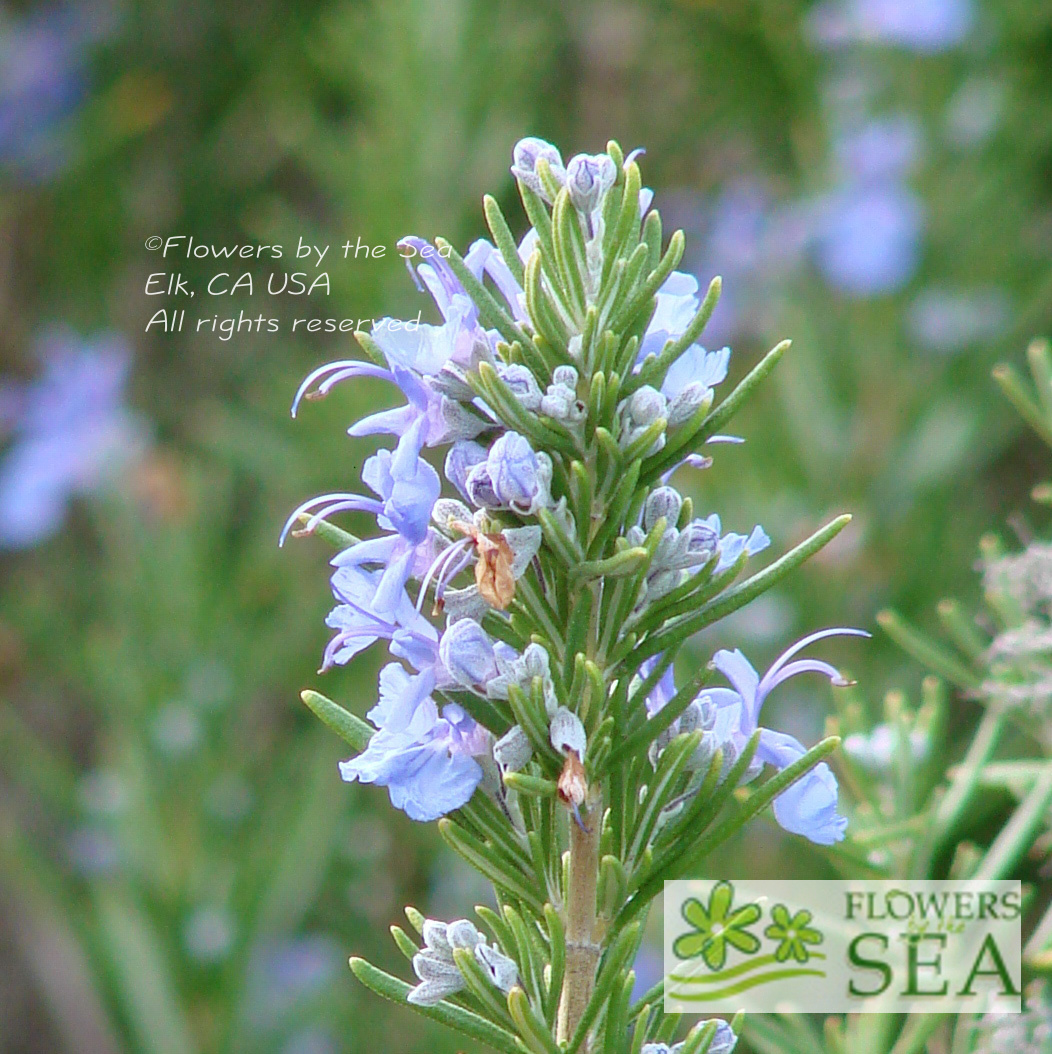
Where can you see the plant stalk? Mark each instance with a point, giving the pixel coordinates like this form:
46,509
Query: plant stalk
582,949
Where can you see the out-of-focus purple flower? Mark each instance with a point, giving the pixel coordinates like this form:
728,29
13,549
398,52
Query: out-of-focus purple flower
948,320
809,806
284,973
919,25
71,435
884,148
93,851
429,768
868,238
41,84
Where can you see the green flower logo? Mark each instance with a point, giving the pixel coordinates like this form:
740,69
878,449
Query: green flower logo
793,934
715,926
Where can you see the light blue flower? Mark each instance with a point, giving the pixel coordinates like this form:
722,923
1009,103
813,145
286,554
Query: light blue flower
878,150
408,488
429,767
42,82
677,304
731,545
71,434
466,651
809,806
359,625
696,366
429,418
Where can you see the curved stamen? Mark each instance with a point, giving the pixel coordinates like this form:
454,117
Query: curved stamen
341,370
340,502
770,678
439,560
449,573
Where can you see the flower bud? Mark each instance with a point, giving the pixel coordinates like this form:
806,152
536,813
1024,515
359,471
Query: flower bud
480,489
523,385
431,968
500,969
516,473
526,154
435,937
565,376
449,510
439,980
463,456
646,406
694,397
661,584
463,934
639,412
724,1041
664,501
702,541
567,732
466,652
588,178
512,752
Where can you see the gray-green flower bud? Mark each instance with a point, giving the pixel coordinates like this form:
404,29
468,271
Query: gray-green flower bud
512,752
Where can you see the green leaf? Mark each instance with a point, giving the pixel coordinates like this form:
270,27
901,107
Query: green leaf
748,384
640,740
699,1038
351,729
1012,386
406,945
486,859
656,278
143,974
457,1018
534,1031
337,537
927,652
502,236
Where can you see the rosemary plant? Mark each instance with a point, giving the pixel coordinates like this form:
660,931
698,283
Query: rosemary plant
534,602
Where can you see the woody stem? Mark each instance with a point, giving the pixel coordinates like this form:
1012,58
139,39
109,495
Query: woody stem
582,950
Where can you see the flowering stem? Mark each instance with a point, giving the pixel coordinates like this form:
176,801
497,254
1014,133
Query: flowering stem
582,951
